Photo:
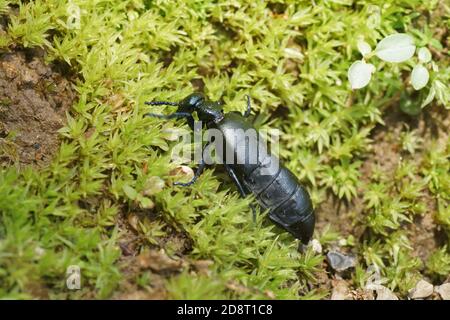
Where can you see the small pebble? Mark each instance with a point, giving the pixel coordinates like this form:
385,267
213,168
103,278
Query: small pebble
316,246
423,289
158,261
339,261
443,290
340,291
184,172
39,251
384,293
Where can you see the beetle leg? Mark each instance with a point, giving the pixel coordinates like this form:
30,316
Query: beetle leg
240,188
197,174
190,118
181,113
249,106
161,103
236,181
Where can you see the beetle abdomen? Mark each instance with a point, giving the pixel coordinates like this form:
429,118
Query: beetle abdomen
279,191
296,215
274,186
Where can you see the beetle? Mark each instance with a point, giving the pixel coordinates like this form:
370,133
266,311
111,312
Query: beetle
253,169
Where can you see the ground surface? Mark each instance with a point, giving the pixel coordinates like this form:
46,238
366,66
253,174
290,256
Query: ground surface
35,99
87,180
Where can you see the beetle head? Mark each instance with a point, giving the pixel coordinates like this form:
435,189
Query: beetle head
206,110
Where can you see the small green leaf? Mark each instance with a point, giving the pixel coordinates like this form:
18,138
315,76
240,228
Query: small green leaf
419,77
145,202
429,98
293,53
130,192
396,48
424,55
364,47
359,74
442,93
153,185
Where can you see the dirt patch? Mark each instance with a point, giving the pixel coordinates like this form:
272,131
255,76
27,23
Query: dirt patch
144,257
336,215
34,98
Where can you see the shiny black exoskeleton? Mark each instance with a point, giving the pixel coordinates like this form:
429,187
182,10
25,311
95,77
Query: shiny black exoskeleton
253,169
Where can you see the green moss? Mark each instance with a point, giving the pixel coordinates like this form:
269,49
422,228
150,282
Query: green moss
291,56
438,263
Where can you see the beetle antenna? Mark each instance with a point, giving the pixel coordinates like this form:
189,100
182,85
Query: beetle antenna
162,103
169,116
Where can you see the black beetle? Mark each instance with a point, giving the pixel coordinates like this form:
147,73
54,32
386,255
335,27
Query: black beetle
274,186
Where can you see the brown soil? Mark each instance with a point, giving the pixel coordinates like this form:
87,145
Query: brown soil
140,256
34,98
